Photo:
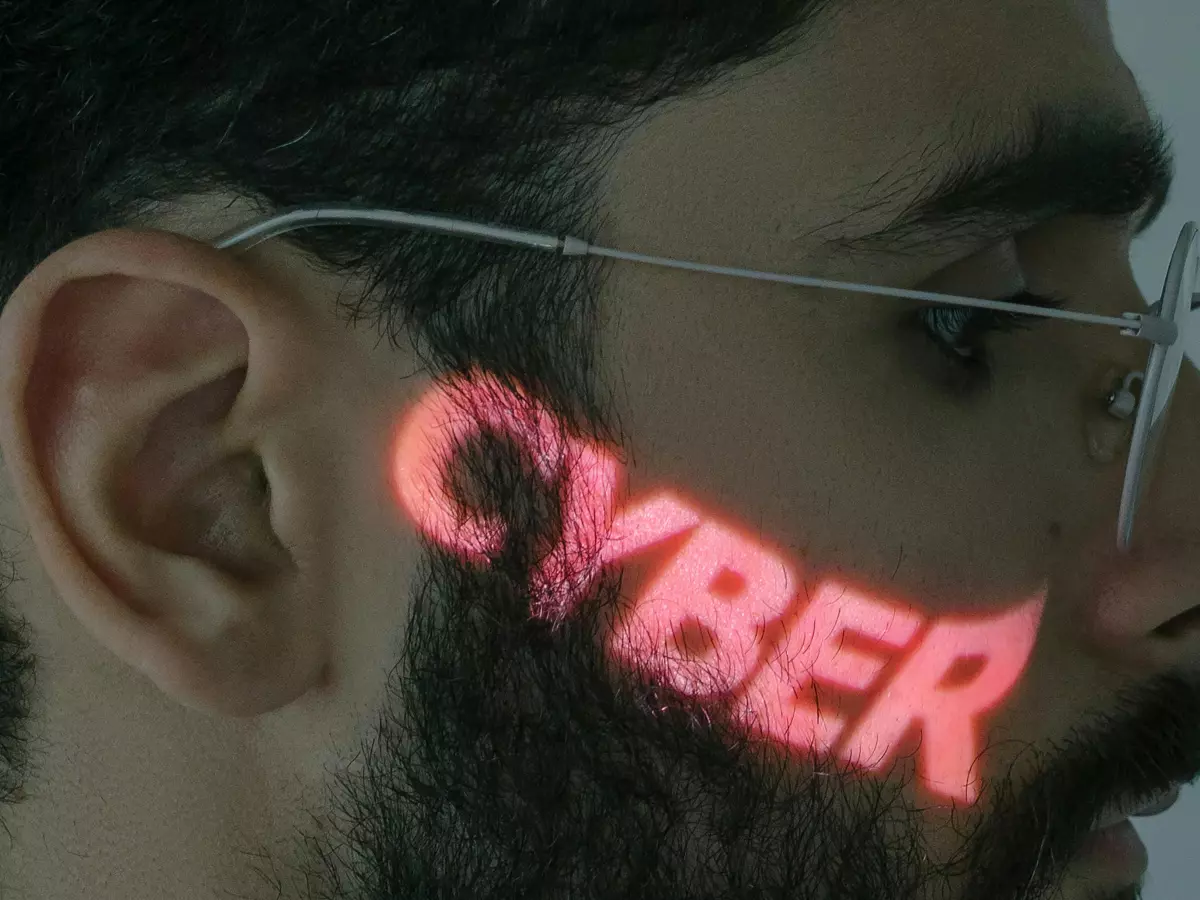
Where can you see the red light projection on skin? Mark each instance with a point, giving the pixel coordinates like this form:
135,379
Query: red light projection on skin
730,587
450,414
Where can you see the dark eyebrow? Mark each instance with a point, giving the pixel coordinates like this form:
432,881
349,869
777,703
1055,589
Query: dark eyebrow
1066,161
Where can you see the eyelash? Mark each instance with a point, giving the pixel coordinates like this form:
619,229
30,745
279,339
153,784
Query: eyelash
960,332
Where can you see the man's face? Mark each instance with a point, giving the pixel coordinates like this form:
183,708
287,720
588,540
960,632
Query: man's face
934,671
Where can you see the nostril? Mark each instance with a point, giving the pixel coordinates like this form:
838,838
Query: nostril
1172,628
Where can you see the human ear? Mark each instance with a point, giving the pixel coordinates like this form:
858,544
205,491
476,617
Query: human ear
148,382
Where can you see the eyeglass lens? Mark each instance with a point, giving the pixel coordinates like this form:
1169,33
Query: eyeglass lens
1180,295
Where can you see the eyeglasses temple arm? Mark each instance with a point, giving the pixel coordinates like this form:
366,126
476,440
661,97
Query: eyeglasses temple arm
1148,327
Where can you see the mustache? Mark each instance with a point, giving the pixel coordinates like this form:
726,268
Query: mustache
1157,739
1139,745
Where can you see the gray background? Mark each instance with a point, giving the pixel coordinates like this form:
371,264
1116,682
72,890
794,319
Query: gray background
1160,40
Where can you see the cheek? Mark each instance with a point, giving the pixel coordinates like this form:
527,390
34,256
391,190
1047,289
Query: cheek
728,591
814,422
735,393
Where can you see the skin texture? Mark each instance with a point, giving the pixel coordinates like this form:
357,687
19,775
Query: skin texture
311,704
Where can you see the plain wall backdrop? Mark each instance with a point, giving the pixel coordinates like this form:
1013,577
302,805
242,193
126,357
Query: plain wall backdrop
1160,40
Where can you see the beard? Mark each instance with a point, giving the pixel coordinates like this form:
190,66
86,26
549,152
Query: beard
514,759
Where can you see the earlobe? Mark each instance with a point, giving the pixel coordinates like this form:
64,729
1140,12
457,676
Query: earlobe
130,405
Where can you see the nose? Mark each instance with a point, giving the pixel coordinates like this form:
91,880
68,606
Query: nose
1149,605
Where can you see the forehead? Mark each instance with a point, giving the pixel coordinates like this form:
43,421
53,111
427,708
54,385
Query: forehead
840,123
972,57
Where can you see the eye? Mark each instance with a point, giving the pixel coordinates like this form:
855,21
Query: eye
961,332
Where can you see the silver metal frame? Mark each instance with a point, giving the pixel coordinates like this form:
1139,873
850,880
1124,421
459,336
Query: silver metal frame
1158,326
1180,295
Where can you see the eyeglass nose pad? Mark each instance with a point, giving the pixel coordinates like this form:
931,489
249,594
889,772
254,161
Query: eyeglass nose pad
1108,434
1122,404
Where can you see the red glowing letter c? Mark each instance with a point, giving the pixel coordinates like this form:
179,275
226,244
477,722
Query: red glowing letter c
449,414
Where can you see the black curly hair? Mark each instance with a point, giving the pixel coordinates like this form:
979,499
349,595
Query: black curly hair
496,110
